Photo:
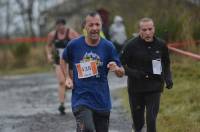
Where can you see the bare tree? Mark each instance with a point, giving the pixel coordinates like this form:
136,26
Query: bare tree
30,16
26,12
7,19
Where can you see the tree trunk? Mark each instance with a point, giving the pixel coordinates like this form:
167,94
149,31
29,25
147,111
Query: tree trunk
7,35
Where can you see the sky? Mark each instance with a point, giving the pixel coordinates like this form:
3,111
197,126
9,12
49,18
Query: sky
16,20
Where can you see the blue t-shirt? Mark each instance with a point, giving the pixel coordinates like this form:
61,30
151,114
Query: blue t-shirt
93,91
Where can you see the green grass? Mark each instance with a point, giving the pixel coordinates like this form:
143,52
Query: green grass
180,106
27,63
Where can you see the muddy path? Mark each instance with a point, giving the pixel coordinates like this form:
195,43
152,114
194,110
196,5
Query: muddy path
29,104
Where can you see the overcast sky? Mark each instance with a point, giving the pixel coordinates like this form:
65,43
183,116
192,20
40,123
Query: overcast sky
16,19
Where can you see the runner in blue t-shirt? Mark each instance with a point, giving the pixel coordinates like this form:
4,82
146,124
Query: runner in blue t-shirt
91,57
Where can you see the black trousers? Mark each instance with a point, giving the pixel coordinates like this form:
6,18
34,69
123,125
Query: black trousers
138,103
89,120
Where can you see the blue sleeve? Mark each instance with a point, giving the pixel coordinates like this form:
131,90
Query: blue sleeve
115,55
64,55
67,54
66,43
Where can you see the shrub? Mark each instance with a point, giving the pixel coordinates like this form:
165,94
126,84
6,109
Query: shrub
169,29
21,52
196,31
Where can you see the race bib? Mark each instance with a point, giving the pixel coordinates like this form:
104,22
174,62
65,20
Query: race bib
157,67
87,69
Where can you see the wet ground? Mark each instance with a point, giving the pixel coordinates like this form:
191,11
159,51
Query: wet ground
29,104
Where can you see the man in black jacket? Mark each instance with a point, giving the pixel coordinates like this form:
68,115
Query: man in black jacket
147,65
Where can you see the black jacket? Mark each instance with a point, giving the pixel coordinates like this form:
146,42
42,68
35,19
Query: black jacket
137,59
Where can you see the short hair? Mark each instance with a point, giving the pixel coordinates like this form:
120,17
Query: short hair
145,19
60,21
92,14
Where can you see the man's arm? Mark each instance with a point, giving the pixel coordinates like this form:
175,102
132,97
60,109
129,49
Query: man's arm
119,71
49,47
66,69
63,66
67,73
125,60
167,68
134,73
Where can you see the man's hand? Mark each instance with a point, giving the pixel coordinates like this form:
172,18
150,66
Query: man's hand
119,71
169,84
69,83
112,66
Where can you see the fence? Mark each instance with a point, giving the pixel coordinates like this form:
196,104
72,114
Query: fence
175,47
22,40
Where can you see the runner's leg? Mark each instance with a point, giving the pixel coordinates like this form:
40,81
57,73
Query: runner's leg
84,119
101,120
61,89
152,107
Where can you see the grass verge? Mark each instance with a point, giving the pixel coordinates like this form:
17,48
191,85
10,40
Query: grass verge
26,70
